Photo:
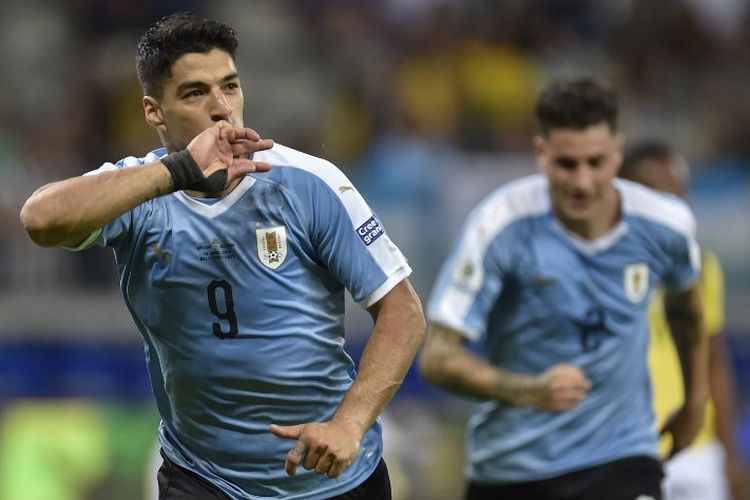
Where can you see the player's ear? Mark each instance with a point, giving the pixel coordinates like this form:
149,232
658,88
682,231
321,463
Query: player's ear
152,111
540,150
620,148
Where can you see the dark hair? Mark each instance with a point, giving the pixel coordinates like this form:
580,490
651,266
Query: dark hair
170,38
576,104
642,151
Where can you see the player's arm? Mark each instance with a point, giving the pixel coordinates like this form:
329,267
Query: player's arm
684,312
723,395
721,376
330,447
447,363
65,213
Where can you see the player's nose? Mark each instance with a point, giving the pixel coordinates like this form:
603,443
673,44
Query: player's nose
220,107
583,178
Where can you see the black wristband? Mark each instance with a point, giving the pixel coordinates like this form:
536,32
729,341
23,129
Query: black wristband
186,174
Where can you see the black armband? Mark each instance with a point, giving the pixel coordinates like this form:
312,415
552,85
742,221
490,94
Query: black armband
186,174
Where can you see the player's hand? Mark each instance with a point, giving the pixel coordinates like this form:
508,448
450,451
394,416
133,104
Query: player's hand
327,448
683,425
226,147
560,388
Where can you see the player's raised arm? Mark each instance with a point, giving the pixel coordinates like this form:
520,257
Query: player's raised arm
65,213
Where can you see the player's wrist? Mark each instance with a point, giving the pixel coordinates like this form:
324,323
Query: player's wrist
354,426
187,174
526,391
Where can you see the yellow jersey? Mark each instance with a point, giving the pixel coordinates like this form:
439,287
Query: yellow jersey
666,374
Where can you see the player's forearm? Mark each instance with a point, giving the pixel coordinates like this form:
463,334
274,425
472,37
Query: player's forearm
685,318
455,369
396,337
64,213
723,396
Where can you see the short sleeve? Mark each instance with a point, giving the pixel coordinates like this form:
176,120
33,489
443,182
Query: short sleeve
470,281
350,239
116,231
683,252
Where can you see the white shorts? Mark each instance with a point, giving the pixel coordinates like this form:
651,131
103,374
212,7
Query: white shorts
696,474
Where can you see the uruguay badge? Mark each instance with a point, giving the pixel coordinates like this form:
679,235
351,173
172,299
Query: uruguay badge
271,242
635,281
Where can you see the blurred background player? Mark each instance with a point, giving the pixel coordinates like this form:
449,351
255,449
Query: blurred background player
712,467
551,275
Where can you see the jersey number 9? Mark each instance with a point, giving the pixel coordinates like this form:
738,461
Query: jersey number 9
227,314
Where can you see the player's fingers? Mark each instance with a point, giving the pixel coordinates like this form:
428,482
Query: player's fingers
245,166
261,145
233,134
261,166
567,401
242,147
324,464
238,149
314,455
287,431
294,457
225,130
578,393
337,468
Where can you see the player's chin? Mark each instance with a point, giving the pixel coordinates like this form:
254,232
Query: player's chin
578,210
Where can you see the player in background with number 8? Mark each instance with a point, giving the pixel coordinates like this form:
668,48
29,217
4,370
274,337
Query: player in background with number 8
552,275
235,274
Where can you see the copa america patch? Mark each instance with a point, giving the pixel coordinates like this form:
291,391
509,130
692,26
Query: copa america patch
370,231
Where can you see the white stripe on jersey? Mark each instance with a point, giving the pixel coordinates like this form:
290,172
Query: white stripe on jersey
326,171
383,250
526,197
664,209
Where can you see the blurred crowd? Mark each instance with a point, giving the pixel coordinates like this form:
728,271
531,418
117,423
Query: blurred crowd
393,91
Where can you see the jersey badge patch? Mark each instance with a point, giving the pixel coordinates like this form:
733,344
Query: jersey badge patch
635,282
271,242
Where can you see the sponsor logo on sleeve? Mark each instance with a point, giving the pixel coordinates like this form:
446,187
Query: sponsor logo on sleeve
370,231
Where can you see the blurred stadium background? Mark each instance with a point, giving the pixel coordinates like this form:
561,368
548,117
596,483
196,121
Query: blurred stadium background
425,104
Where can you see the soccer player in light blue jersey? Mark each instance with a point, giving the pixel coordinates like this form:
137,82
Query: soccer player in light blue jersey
552,277
235,274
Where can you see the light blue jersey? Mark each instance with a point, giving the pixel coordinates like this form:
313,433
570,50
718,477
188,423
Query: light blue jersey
536,295
240,302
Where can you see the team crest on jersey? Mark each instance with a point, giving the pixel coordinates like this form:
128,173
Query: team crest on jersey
635,281
271,242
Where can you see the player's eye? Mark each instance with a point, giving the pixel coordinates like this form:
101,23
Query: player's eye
232,86
193,93
566,163
596,161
